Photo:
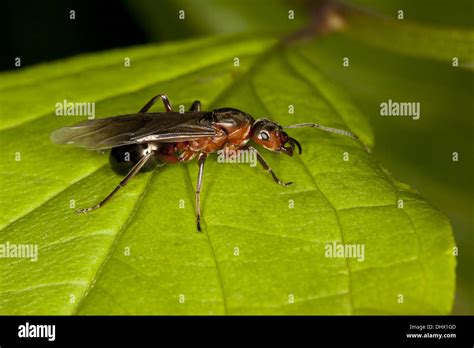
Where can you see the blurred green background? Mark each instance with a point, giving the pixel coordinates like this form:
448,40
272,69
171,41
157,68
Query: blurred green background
416,152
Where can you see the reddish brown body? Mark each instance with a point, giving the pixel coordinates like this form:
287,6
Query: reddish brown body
231,134
141,142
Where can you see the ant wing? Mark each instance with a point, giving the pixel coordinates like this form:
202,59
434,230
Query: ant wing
136,128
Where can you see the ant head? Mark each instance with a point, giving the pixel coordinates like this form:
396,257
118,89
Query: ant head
272,137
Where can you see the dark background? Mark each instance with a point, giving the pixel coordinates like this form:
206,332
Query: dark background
39,33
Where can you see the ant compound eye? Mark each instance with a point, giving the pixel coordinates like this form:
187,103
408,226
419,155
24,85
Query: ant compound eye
264,135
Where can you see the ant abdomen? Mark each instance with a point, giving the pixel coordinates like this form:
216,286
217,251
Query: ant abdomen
123,158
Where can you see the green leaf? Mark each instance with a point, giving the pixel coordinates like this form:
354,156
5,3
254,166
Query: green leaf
262,245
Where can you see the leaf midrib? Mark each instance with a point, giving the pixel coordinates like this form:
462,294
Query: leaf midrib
144,192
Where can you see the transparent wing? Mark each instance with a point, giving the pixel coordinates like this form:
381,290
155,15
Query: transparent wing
136,128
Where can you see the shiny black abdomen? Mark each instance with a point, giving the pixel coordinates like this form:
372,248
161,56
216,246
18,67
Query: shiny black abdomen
123,158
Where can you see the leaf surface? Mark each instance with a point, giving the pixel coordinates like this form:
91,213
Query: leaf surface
263,249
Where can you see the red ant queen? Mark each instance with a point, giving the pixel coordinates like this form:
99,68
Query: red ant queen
144,140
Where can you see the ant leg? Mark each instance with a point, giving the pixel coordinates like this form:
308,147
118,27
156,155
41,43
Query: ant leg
136,168
201,161
265,166
153,100
196,106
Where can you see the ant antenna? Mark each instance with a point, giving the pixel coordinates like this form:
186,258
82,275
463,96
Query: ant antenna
327,129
